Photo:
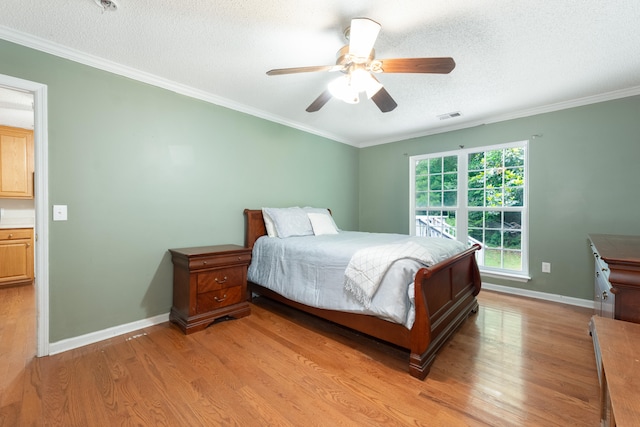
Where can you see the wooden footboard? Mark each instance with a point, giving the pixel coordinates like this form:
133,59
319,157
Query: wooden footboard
445,295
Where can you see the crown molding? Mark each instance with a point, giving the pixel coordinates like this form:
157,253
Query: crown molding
61,51
549,108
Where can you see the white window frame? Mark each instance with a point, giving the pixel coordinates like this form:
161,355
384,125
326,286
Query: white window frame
462,210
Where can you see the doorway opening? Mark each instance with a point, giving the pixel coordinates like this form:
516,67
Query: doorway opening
41,203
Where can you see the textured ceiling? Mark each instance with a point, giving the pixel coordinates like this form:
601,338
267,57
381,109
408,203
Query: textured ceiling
513,58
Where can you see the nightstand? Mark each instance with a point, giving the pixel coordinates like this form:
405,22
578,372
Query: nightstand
209,282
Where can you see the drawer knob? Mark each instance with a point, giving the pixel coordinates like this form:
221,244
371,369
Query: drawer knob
605,269
224,297
604,295
10,235
224,280
204,262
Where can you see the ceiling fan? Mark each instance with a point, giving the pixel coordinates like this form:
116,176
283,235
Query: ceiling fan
358,64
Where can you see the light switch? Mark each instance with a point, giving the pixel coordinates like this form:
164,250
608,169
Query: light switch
59,212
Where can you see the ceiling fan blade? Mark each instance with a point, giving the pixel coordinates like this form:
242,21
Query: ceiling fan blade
362,36
418,65
384,101
279,71
319,102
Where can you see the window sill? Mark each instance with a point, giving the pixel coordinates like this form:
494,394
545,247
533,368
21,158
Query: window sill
508,276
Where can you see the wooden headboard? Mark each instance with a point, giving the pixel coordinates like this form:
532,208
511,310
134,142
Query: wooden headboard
253,227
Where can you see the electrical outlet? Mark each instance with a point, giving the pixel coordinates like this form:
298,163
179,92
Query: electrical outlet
546,267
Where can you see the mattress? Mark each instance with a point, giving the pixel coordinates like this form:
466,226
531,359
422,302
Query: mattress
311,270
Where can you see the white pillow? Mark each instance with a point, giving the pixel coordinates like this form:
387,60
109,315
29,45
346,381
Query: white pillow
324,211
322,223
269,225
289,222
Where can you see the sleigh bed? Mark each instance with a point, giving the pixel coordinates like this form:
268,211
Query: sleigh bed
444,295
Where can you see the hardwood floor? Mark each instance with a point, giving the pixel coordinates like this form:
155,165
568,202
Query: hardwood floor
517,362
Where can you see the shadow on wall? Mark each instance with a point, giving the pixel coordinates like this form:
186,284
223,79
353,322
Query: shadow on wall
159,296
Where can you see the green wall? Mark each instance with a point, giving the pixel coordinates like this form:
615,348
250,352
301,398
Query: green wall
583,178
144,169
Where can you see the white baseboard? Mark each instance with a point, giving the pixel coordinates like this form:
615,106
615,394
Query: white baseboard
539,295
93,337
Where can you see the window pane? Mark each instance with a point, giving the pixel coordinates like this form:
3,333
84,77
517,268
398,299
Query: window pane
422,167
493,258
477,234
450,198
513,260
435,182
476,161
451,164
421,200
422,183
514,156
493,198
475,198
512,240
493,159
513,220
476,179
514,177
450,181
435,198
494,178
435,165
514,197
475,219
493,238
493,219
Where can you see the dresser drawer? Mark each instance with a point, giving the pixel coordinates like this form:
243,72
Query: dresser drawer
15,233
220,278
218,260
221,298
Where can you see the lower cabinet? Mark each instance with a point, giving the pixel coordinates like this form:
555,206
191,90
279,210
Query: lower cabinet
16,256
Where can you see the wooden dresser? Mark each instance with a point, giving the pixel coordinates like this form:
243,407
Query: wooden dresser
617,276
617,349
209,283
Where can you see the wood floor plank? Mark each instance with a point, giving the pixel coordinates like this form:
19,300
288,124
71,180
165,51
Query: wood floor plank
517,362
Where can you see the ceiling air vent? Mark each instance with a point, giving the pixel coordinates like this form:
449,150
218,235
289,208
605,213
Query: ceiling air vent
449,115
107,5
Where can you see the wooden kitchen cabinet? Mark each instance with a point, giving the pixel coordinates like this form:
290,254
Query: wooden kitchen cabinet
16,163
16,256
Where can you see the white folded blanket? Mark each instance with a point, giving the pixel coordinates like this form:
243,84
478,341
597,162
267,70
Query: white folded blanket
368,266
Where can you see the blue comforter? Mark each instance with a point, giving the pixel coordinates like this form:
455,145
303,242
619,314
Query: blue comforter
310,270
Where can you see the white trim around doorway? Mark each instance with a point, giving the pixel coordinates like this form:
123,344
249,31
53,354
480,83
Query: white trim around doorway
41,185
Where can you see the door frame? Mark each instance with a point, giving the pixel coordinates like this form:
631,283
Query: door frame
41,196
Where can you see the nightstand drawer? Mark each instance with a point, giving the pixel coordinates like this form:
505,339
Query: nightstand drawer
209,282
218,260
220,278
220,298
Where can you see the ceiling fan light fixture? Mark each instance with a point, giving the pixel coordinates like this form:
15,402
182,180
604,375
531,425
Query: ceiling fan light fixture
363,81
342,89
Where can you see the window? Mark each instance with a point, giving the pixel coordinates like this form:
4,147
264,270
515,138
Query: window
476,195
